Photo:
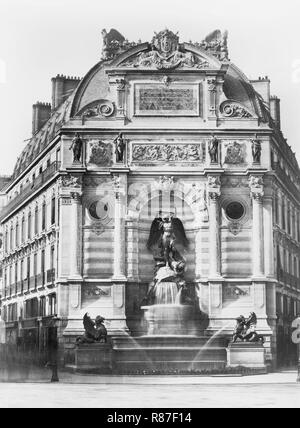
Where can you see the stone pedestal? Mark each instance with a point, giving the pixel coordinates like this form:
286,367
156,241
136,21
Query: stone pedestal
246,354
93,357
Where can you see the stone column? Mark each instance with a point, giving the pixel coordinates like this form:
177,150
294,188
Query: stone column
120,184
118,323
257,193
268,236
214,192
75,235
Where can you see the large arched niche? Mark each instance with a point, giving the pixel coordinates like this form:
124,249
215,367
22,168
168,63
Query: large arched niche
167,202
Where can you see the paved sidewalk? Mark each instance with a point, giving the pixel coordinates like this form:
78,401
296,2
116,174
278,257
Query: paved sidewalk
43,375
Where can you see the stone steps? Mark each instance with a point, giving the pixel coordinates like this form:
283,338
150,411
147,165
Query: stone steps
167,354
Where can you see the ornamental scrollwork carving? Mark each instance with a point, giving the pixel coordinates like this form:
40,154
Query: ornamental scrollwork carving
232,109
167,153
100,153
98,109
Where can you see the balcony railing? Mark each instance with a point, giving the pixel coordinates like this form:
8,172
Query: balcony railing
30,188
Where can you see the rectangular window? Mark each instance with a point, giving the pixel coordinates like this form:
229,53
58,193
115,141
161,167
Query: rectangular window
44,216
43,306
35,269
17,235
22,274
53,209
6,241
276,209
36,220
28,272
52,257
16,276
43,266
283,214
11,239
52,304
289,219
29,226
23,230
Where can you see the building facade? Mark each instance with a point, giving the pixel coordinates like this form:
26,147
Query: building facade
161,126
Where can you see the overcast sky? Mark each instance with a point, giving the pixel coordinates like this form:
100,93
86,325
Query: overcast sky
41,38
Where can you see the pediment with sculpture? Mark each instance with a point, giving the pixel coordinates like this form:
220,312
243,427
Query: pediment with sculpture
166,53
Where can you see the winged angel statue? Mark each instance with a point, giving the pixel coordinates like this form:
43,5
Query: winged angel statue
166,234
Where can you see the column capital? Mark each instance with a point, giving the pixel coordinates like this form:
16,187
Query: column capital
213,187
256,184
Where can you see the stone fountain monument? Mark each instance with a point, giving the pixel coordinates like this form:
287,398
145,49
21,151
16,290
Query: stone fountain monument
174,340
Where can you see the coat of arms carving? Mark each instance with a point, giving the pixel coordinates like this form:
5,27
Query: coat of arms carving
166,53
100,153
235,153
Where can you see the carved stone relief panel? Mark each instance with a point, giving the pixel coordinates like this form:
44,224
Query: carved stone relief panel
168,152
233,292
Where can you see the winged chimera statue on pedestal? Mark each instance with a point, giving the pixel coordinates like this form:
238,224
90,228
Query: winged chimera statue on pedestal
94,331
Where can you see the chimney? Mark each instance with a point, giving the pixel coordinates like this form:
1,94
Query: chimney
262,86
41,112
62,87
275,110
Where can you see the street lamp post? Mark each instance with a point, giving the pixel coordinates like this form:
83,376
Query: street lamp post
53,348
